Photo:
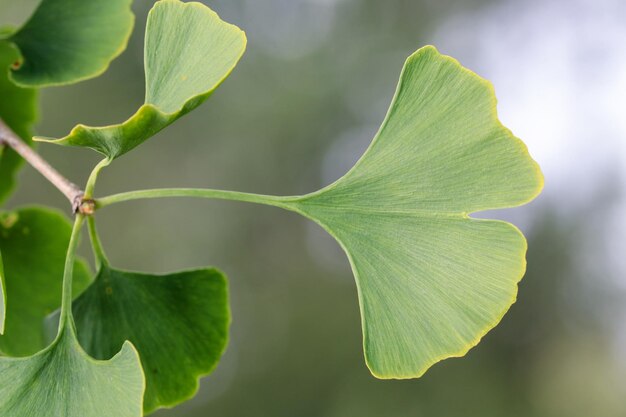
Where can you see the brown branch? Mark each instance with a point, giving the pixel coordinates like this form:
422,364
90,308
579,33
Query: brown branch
69,189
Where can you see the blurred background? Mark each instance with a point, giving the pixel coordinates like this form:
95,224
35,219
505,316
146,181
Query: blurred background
295,115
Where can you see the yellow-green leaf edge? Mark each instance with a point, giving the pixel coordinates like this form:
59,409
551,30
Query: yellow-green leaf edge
523,150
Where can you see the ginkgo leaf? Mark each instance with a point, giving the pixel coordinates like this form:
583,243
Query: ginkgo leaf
66,41
431,280
179,325
189,52
63,381
18,109
33,242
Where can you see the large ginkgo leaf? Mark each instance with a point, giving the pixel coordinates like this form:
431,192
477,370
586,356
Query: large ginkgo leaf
18,109
66,41
178,323
431,280
189,52
33,244
63,381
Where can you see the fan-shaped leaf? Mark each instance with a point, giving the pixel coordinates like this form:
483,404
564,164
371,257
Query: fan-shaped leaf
33,244
67,41
63,381
431,280
178,322
18,109
189,52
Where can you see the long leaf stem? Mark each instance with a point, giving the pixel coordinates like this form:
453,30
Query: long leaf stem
282,202
93,177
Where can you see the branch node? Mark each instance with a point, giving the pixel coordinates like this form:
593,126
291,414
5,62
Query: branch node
84,206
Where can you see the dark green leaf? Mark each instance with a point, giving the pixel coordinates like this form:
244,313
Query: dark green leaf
178,322
66,41
18,109
189,52
33,244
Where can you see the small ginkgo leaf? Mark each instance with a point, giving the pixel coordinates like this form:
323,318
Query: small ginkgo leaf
18,109
189,52
66,41
32,237
178,322
431,280
63,381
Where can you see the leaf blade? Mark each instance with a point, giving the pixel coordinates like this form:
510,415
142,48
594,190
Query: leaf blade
18,109
178,77
67,41
432,281
179,326
63,381
418,146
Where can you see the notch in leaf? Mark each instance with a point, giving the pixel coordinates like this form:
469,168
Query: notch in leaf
179,326
431,280
189,52
66,41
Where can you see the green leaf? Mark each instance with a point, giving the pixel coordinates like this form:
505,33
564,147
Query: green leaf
33,242
63,381
431,281
66,41
179,326
18,109
189,52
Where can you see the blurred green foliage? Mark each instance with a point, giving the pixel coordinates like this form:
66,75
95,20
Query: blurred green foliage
316,72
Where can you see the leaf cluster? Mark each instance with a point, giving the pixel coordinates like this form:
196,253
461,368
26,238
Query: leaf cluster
431,280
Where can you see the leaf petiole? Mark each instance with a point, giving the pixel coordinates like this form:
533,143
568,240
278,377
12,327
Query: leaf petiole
276,201
93,177
68,274
96,244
